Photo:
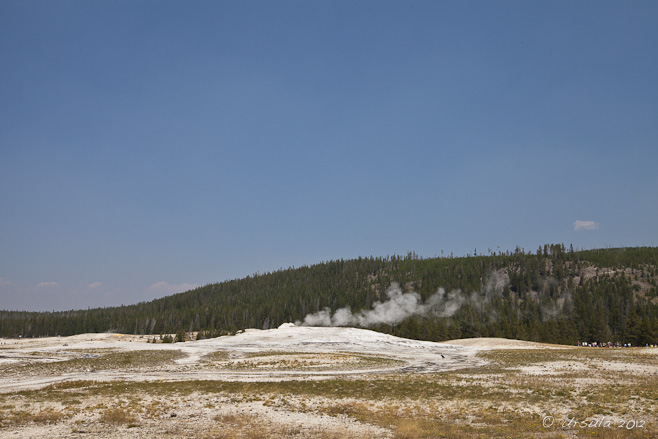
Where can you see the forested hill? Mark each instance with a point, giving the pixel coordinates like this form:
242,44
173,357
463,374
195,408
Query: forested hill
553,294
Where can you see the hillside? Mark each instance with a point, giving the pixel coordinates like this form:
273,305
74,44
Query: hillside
553,294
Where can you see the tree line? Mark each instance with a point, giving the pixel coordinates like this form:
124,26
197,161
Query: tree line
552,294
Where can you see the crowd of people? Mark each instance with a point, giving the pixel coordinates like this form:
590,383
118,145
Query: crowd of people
610,345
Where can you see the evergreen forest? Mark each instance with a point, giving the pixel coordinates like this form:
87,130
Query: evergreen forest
552,294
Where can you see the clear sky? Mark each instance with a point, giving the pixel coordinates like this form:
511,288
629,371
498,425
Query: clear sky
150,146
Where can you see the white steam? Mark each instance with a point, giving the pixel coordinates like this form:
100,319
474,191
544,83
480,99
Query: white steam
398,307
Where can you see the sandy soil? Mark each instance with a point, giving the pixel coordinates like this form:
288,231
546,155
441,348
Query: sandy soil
492,343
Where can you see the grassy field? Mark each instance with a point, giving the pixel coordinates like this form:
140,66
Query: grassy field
542,393
97,359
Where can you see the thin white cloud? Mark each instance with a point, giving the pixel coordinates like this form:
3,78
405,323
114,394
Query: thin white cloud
4,281
94,285
162,287
585,225
46,284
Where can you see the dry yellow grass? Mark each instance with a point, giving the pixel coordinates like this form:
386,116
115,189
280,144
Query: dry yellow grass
118,416
510,396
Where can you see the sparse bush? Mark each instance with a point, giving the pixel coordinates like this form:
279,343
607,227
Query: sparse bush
180,337
118,416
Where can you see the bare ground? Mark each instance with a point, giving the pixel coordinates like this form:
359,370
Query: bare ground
306,382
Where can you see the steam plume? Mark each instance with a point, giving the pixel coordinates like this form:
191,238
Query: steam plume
398,307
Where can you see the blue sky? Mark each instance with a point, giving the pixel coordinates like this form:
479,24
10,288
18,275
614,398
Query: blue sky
147,147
